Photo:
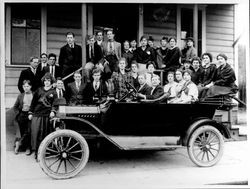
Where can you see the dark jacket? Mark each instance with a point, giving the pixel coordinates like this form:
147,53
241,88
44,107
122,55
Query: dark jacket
143,57
208,74
58,71
157,92
42,101
89,92
74,96
145,89
27,74
96,55
196,76
70,59
172,58
225,77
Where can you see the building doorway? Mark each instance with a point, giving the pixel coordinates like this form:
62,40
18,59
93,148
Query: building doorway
122,18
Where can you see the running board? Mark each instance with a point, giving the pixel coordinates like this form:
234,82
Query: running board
146,143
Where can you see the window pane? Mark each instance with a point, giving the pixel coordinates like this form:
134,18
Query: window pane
25,39
33,43
18,46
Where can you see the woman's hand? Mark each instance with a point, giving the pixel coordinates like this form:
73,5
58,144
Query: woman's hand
30,117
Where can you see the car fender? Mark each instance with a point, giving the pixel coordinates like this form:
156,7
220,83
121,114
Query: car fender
92,126
200,122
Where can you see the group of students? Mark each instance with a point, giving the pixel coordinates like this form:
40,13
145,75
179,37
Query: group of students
109,75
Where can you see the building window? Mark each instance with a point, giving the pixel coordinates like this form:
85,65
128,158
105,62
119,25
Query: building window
25,32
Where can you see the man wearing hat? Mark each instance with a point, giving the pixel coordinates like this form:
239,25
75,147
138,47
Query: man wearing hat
189,52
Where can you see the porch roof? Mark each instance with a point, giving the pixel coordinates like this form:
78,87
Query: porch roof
137,1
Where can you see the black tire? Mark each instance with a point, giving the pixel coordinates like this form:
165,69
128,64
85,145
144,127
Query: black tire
63,154
205,146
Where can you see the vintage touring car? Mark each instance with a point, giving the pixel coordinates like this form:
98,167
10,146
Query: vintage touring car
134,125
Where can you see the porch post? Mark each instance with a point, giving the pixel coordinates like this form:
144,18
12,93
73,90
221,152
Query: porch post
43,29
195,26
90,19
178,25
140,23
7,35
84,32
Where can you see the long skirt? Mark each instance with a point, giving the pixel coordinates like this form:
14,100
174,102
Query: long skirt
40,128
24,127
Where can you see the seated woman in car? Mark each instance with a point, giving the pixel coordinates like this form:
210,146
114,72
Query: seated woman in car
157,90
188,92
170,87
224,80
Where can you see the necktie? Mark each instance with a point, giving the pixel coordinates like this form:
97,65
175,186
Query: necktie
60,94
52,71
34,71
96,86
110,47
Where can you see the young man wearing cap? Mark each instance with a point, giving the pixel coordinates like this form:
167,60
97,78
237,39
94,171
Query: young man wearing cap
189,51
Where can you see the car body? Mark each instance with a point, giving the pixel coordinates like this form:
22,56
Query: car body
133,125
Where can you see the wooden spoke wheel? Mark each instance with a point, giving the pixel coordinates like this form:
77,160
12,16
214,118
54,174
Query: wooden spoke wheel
205,146
63,154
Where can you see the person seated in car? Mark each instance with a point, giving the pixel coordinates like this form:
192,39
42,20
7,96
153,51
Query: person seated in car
144,88
224,80
150,72
170,87
157,90
134,74
120,80
75,90
179,79
189,91
96,90
208,75
197,70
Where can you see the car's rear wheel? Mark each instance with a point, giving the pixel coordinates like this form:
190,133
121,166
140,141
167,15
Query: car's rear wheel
63,154
205,146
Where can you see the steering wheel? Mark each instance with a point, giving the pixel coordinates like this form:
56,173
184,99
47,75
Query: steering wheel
131,91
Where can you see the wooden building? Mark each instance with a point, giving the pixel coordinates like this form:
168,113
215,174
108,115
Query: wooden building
34,28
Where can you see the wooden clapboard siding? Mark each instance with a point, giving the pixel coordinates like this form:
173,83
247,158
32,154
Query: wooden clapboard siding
159,29
220,30
60,20
11,80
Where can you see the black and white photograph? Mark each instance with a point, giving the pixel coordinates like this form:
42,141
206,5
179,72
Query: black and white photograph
124,94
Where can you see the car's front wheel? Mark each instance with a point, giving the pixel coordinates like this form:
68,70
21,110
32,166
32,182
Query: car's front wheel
63,154
205,146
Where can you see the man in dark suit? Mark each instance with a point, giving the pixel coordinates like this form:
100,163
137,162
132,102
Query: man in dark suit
70,58
52,68
75,90
157,90
93,54
95,91
59,95
30,74
144,88
99,40
42,65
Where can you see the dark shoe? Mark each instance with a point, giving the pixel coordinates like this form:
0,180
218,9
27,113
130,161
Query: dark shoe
28,152
17,145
